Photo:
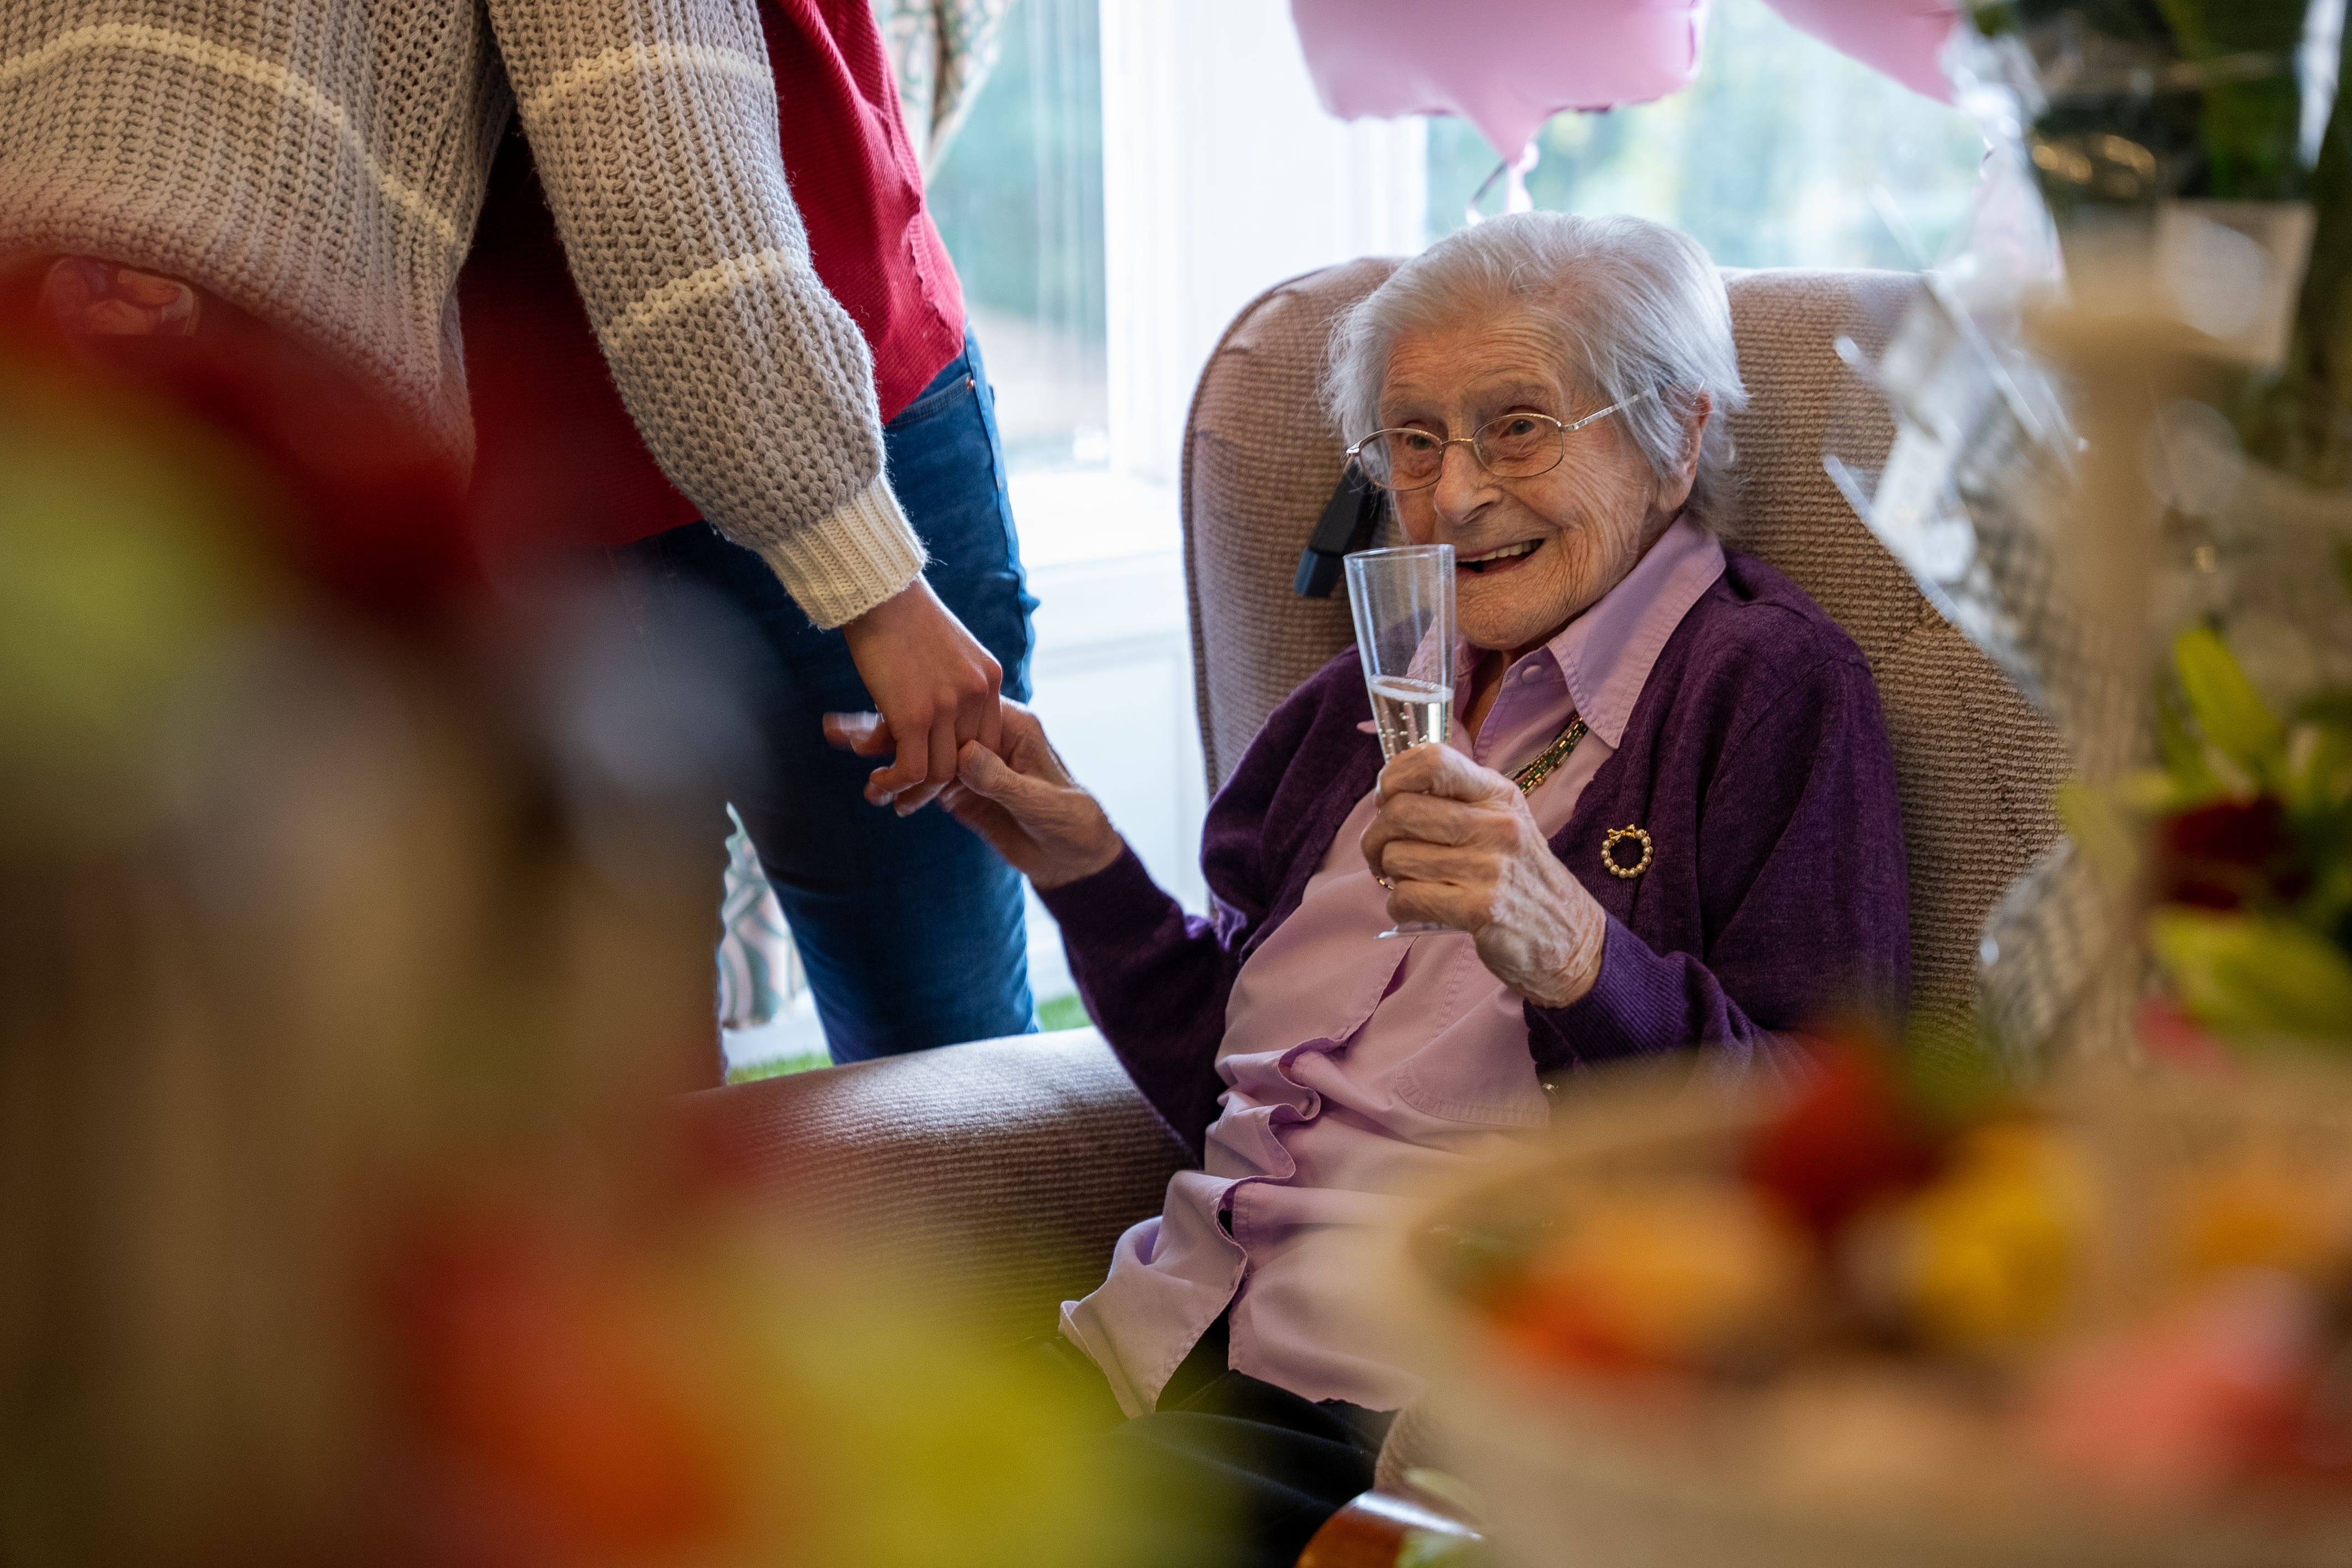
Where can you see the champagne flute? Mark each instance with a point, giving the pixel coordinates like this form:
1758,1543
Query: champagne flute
1403,604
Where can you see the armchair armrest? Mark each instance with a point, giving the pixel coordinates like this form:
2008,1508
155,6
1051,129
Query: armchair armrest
992,1178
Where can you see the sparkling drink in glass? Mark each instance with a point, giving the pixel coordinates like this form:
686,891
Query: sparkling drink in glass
1409,712
1403,605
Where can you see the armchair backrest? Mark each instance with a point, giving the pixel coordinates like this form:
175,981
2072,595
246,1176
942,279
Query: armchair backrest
1977,767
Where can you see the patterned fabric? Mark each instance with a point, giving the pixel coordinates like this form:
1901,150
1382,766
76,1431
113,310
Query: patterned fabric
320,163
943,50
1976,500
2061,972
1977,767
758,968
992,1178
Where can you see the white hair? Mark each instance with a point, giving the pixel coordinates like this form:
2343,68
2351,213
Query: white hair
1637,306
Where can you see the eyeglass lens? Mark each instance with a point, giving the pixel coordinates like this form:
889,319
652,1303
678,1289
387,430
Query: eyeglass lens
1516,446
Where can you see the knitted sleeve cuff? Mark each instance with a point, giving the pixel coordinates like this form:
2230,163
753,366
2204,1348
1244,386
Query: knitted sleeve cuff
846,563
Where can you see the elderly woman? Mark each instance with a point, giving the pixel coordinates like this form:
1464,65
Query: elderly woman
1666,819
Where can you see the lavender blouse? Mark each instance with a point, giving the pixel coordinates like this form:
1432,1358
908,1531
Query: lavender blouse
1346,1069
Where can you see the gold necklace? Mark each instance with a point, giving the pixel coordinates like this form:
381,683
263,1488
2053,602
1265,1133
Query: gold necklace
1549,759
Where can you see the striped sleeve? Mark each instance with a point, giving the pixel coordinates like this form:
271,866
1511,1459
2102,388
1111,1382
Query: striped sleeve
653,127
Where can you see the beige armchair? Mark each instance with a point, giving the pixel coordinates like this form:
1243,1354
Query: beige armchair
1037,1149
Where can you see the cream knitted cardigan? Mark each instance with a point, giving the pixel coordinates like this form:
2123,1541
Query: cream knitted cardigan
322,162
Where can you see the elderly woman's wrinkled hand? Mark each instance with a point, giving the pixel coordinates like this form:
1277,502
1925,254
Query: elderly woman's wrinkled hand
1456,843
1028,807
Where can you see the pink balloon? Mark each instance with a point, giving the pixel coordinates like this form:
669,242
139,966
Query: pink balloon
1901,37
1505,66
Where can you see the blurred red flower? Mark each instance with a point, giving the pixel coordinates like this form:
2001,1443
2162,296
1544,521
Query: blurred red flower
1848,1138
2226,855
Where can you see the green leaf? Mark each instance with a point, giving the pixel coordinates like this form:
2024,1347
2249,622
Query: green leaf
2151,793
2193,783
2109,844
2228,711
2303,420
2318,769
2332,708
2252,122
2255,979
2319,803
2328,905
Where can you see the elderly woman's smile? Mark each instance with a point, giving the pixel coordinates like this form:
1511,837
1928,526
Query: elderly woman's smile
1531,550
1504,559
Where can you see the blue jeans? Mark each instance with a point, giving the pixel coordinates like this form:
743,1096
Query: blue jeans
911,928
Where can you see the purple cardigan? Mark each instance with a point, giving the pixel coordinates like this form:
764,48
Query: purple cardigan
1757,758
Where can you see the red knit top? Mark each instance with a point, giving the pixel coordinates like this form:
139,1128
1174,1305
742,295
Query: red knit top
559,461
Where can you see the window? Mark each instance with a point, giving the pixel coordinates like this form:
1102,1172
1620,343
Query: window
1770,157
1019,200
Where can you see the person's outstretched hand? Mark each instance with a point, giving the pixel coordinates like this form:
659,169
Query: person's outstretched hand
937,688
1029,808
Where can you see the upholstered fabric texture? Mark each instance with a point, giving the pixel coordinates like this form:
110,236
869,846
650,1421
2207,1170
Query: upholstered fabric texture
1977,767
1260,462
991,1177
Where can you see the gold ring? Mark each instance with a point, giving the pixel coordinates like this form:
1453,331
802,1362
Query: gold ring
1384,882
1609,848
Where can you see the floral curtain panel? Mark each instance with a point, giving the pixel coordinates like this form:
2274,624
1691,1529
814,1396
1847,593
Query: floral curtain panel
942,50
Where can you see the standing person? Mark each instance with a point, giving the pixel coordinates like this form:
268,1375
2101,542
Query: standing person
316,167
912,930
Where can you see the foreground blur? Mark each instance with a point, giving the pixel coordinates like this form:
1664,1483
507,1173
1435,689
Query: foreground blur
353,946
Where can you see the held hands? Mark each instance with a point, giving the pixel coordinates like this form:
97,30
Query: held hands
1025,804
1459,845
937,688
1029,808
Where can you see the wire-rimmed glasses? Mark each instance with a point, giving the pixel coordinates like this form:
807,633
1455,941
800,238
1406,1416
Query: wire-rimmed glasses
1509,446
